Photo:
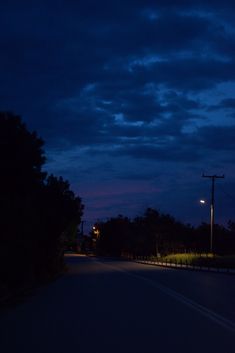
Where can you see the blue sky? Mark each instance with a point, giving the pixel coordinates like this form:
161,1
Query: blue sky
134,99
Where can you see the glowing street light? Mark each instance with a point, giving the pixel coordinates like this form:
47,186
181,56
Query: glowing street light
96,231
203,202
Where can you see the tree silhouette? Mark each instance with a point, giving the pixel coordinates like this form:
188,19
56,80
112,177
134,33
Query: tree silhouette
38,212
158,233
21,156
114,236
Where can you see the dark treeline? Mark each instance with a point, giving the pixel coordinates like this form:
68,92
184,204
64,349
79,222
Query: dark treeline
156,233
39,212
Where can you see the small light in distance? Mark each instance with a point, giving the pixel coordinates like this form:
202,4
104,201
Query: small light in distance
202,202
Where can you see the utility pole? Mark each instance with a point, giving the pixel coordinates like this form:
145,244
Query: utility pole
82,224
212,213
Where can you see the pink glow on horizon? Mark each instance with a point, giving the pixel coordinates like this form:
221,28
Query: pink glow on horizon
106,200
118,189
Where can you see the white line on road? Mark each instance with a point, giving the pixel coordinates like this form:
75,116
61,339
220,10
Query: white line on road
225,323
194,305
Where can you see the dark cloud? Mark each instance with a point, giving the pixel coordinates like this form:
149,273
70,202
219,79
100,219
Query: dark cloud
194,74
182,147
169,153
107,81
228,103
216,138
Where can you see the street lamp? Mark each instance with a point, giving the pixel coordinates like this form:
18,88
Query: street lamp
96,231
203,202
212,213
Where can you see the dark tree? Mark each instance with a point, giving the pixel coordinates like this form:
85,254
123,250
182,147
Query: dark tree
21,178
21,156
37,212
114,236
150,234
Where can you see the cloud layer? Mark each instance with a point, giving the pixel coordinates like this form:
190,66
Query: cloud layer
123,85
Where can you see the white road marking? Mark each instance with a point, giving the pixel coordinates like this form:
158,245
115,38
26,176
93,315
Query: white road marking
222,321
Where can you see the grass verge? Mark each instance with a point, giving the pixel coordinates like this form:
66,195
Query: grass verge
205,260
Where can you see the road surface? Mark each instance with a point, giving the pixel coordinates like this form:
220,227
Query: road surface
111,306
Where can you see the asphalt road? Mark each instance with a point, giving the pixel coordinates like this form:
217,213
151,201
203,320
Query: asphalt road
112,306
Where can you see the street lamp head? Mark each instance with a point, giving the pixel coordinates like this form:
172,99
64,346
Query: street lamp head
203,202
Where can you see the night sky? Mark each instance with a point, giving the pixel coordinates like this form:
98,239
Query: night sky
134,99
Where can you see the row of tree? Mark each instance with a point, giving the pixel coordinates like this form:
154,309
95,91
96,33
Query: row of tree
156,233
39,212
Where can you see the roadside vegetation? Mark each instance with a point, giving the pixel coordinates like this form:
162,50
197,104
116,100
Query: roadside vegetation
39,212
205,260
155,234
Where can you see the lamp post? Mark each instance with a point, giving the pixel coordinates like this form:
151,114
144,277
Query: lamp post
212,213
212,217
203,203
